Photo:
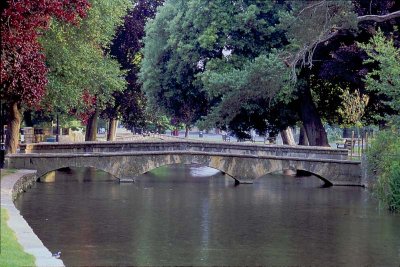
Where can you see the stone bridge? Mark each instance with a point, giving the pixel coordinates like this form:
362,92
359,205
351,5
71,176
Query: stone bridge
243,162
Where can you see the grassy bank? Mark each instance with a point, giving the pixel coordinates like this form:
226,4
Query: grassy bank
12,253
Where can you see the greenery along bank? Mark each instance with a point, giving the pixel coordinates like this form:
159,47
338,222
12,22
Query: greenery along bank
384,164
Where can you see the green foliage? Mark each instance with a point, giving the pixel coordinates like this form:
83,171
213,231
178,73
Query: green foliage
386,78
233,56
130,105
199,53
158,123
352,107
12,254
384,162
334,133
170,64
75,125
265,77
308,23
77,59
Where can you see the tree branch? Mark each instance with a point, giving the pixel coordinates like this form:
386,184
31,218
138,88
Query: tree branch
379,18
305,54
311,6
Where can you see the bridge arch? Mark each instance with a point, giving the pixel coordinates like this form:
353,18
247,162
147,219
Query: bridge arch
326,181
267,166
304,172
195,164
42,175
184,160
243,168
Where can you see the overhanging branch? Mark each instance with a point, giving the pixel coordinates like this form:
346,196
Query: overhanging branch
306,53
379,18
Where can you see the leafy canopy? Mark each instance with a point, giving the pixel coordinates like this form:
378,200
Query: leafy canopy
23,71
131,103
78,59
385,79
199,53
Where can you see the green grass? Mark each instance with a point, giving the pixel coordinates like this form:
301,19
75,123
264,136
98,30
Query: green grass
5,172
12,253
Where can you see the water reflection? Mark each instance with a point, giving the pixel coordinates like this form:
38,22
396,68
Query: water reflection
179,216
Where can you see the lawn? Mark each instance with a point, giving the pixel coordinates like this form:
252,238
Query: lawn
12,253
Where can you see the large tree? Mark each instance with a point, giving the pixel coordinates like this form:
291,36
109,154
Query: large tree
210,42
333,60
170,66
235,52
385,79
130,104
81,69
23,70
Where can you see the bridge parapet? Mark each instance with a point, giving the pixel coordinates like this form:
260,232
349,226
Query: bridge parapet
189,145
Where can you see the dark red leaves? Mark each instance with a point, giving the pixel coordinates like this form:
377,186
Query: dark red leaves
88,108
23,71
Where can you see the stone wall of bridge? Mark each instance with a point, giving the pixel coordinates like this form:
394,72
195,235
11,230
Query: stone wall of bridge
244,168
189,145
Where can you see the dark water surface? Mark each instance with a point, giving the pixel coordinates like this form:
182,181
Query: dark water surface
181,215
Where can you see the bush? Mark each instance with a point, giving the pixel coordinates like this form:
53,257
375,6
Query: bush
384,163
394,184
334,133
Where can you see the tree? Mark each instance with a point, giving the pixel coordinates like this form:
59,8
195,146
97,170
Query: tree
131,103
205,42
333,18
259,87
385,79
227,51
23,71
353,107
81,67
168,72
330,52
339,63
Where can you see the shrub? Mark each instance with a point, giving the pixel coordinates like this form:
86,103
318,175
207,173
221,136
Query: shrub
384,163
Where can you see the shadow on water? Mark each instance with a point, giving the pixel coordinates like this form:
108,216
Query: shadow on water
82,175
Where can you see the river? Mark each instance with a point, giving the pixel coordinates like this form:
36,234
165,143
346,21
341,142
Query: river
193,215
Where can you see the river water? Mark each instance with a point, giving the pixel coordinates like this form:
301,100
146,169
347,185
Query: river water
193,215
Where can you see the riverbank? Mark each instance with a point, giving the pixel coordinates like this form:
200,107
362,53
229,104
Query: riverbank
12,253
12,184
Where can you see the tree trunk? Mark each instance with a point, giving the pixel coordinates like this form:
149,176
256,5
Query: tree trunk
311,120
303,139
287,137
186,131
91,127
13,127
112,129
